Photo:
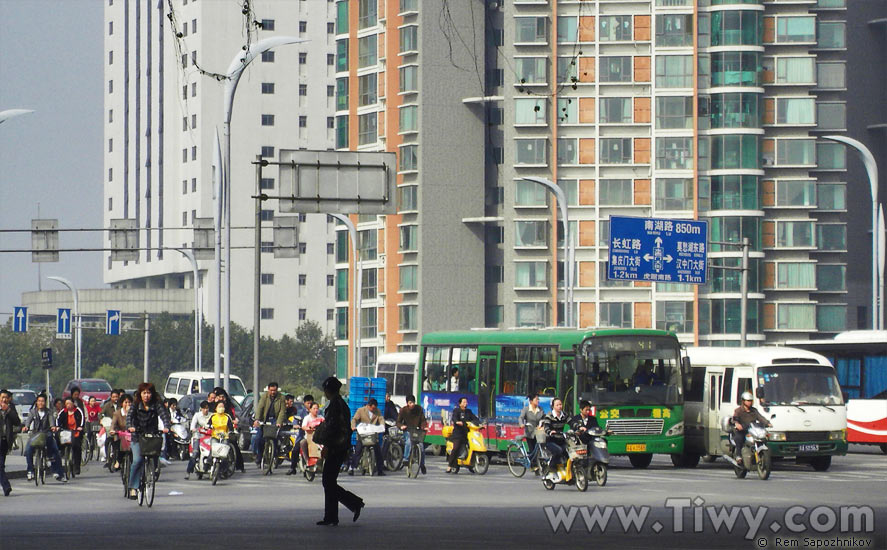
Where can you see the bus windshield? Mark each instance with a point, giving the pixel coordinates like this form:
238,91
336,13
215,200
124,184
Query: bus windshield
632,370
799,385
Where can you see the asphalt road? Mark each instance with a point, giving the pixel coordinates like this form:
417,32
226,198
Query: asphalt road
673,510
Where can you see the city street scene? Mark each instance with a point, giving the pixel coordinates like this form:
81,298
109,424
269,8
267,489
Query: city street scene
576,273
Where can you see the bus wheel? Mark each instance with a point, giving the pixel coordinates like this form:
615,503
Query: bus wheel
641,460
884,448
684,460
821,463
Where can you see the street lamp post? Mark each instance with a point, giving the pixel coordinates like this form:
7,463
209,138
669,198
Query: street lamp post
871,168
235,71
561,198
352,233
198,352
78,342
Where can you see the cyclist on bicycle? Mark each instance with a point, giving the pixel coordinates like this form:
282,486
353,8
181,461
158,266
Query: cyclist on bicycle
78,402
289,406
71,418
111,405
370,414
93,409
555,440
301,412
42,421
143,419
530,417
412,417
271,409
118,426
200,421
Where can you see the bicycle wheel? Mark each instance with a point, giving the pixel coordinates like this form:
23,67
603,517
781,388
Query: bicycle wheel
394,458
150,480
414,461
517,461
38,466
124,473
215,472
268,457
85,450
69,462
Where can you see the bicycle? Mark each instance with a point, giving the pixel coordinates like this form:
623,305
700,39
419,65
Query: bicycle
150,445
90,442
125,458
393,445
65,442
367,461
417,446
519,459
38,444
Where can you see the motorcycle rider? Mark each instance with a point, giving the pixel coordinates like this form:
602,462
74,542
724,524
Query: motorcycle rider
219,394
271,409
553,425
369,414
461,416
43,421
412,417
290,408
584,422
199,422
743,416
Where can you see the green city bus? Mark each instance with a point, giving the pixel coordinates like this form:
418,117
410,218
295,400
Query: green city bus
632,377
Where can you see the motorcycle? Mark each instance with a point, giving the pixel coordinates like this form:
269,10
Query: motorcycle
576,471
222,459
206,459
181,439
755,453
474,455
599,458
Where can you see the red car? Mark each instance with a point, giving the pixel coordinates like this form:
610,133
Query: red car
89,387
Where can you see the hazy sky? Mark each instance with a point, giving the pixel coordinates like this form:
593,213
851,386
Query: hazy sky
50,61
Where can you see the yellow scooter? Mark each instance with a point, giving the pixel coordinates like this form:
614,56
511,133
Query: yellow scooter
474,455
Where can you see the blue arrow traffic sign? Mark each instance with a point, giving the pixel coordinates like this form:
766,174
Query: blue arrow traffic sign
63,321
112,326
20,320
655,249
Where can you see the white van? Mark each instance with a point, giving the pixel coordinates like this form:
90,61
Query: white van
180,384
796,390
399,369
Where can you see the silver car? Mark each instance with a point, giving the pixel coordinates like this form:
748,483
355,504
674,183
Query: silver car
23,401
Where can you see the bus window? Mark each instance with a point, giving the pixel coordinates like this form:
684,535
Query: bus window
461,371
544,371
404,381
513,378
435,371
487,379
728,385
742,384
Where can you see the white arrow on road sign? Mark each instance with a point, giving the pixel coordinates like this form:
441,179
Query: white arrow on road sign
63,324
112,326
20,320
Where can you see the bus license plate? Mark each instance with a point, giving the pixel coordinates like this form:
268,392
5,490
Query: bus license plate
808,448
636,447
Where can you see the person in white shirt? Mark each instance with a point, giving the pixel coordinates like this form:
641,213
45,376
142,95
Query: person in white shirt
200,421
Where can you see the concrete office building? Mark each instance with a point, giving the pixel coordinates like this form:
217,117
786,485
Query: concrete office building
161,118
708,109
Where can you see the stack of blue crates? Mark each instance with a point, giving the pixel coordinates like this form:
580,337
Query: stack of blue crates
360,390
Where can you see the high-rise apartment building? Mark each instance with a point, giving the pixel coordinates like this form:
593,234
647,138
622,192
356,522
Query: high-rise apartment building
708,109
162,115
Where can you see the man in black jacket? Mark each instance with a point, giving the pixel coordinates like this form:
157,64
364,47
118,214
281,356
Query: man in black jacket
461,416
743,416
337,418
9,426
43,421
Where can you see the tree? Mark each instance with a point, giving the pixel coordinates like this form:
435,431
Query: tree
121,377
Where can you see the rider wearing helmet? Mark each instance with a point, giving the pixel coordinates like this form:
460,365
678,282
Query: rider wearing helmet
743,416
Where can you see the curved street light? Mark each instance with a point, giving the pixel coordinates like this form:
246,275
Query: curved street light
12,113
352,233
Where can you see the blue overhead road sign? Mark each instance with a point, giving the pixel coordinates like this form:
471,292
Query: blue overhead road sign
63,323
112,325
655,249
20,320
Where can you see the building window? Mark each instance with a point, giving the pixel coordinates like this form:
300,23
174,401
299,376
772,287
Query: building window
407,198
110,174
832,34
533,314
735,151
267,25
409,158
674,194
303,89
330,122
615,314
409,78
530,110
831,156
796,193
531,151
674,31
110,145
267,120
531,275
331,28
184,187
110,203
267,151
367,14
531,30
530,233
831,75
111,57
185,155
193,152
795,276
494,274
530,193
831,278
267,247
615,28
303,58
193,89
731,192
615,69
794,234
409,39
674,153
266,313
796,316
615,110
110,27
367,51
367,128
567,29
267,279
409,118
571,191
567,151
193,26
303,121
409,278
735,110
367,244
795,152
737,28
796,29
674,71
567,110
674,316
330,314
268,56
266,183
795,110
303,314
616,151
267,87
831,236
615,192
367,86
794,70
831,116
831,196
531,70
409,238
110,115
193,185
408,317
674,112
303,26
831,317
303,279
267,215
